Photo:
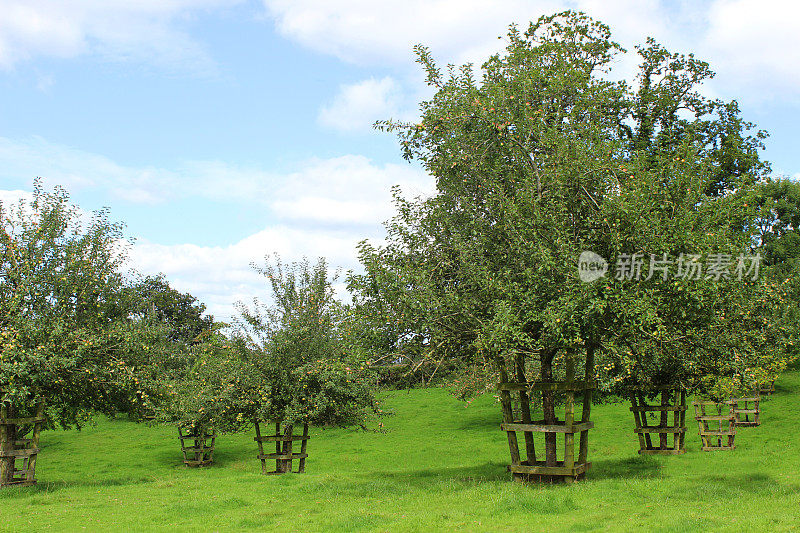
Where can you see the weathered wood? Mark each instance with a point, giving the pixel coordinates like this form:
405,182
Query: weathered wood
19,453
747,410
284,454
14,447
541,469
583,447
569,419
21,421
539,426
525,407
199,450
659,429
508,415
572,464
579,385
280,438
709,434
303,455
658,408
671,401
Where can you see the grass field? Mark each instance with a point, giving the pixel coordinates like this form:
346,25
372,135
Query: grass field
440,466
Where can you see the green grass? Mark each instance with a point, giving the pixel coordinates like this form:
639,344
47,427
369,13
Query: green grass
440,466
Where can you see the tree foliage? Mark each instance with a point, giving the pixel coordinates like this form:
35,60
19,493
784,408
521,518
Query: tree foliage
545,158
65,337
152,295
290,361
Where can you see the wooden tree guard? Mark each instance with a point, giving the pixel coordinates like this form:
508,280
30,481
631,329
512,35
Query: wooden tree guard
14,448
283,449
550,468
747,410
767,389
672,401
720,415
197,446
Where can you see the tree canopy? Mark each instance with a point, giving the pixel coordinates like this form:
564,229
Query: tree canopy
65,336
546,157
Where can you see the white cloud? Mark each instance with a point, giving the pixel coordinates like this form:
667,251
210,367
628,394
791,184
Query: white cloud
751,43
346,190
144,30
323,208
9,198
755,44
219,276
364,31
357,106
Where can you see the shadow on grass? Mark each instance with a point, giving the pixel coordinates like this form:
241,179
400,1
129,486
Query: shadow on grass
633,467
640,466
729,485
487,472
477,422
53,486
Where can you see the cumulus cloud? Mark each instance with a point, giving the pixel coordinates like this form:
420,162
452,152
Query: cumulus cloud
751,43
148,30
357,106
346,190
368,32
221,275
322,208
755,43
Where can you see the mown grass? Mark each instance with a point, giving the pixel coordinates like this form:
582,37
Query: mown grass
439,466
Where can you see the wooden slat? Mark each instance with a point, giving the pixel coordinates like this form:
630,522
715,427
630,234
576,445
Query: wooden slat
20,421
508,413
279,438
658,408
19,453
302,465
525,407
577,385
540,427
657,429
549,470
197,449
583,445
283,456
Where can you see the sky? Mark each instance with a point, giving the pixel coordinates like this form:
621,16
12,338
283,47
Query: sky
222,131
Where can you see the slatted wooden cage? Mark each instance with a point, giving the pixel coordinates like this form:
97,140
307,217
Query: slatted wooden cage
284,454
550,466
197,446
19,446
767,389
653,421
747,410
717,423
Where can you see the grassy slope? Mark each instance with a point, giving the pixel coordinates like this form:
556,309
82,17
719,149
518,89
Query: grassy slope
440,466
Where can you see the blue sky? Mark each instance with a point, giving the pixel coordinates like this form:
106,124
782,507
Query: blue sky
223,130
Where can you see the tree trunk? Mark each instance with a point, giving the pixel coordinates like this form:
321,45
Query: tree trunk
285,465
664,422
549,407
8,434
